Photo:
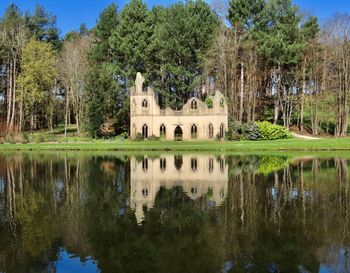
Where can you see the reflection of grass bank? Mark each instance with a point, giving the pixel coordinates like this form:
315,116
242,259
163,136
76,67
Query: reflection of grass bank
300,145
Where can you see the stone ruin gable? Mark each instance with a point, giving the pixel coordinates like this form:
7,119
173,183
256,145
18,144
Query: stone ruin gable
202,109
194,121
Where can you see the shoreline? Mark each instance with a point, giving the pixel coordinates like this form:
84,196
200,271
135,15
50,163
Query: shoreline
288,145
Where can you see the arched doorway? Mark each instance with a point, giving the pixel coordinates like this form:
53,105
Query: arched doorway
194,131
162,130
222,131
145,131
178,133
211,131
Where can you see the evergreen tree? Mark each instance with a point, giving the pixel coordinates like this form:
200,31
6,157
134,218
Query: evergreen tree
42,26
104,97
130,40
281,46
184,38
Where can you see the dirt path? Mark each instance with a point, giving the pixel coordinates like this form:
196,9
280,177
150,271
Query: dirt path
306,137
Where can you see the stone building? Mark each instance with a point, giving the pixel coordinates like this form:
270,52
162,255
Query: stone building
197,119
200,176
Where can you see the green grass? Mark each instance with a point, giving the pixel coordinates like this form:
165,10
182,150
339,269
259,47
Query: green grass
329,144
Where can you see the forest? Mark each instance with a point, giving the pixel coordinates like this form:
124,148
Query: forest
273,62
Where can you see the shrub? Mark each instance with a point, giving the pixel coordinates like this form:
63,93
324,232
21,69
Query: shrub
235,127
271,131
2,140
228,136
10,138
107,129
25,138
209,102
17,139
121,136
153,138
51,138
139,137
251,131
40,138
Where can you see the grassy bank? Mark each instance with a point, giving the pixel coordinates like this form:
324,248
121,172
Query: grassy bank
329,144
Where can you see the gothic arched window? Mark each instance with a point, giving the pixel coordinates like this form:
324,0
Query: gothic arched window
145,131
194,131
162,130
211,131
144,104
222,102
193,104
222,131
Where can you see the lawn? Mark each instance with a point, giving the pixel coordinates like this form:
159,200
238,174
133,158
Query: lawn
328,144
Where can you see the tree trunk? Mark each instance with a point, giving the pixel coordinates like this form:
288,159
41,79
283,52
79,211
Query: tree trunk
14,72
241,102
302,98
66,115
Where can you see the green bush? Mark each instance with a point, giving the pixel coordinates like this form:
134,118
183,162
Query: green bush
2,140
271,131
153,138
139,137
124,136
40,138
10,138
51,138
25,138
251,131
18,139
209,102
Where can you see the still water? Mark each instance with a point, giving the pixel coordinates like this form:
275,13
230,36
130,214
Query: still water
83,212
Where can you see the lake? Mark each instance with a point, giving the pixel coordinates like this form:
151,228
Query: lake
114,212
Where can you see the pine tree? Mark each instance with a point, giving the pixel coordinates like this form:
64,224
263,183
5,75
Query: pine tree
281,47
129,41
104,97
42,26
184,38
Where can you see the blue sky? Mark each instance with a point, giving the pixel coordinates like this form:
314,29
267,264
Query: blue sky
71,13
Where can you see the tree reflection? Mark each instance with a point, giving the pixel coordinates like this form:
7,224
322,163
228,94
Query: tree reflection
286,214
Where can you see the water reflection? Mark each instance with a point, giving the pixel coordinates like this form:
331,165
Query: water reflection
197,177
183,213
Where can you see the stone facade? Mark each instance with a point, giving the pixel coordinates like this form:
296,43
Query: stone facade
199,176
196,120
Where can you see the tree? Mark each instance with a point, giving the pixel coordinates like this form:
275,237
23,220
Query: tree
73,67
103,93
42,26
13,36
243,16
337,67
280,44
309,31
183,38
129,42
36,78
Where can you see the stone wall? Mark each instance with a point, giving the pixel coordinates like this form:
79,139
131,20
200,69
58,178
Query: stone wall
145,111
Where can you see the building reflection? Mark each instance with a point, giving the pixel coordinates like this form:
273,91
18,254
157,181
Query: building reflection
197,175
